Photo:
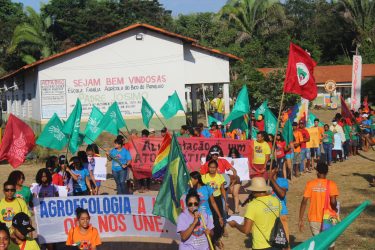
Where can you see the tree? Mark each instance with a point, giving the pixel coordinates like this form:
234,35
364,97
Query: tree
11,14
32,39
255,17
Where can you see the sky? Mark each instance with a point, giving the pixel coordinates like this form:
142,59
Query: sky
177,6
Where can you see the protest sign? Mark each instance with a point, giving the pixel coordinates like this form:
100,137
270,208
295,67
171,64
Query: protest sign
112,215
100,170
193,150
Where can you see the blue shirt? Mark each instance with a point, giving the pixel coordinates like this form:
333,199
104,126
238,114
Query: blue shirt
122,156
206,133
366,123
204,194
80,184
283,183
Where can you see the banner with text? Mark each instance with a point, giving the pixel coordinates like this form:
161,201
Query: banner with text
194,149
112,215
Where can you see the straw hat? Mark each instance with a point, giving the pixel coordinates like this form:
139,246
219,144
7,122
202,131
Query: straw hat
258,184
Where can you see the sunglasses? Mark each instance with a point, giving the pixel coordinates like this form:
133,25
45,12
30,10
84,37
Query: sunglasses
191,204
9,189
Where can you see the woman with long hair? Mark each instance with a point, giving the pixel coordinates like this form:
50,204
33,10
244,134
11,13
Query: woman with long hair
193,225
45,186
22,191
83,235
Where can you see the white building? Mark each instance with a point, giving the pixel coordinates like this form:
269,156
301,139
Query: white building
139,60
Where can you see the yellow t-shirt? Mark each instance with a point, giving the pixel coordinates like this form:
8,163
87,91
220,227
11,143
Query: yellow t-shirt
9,209
214,182
314,137
218,104
30,245
263,218
261,149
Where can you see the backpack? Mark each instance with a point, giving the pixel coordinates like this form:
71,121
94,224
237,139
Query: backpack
277,237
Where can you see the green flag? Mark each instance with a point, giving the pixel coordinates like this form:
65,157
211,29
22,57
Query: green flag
172,106
270,120
147,112
310,121
254,132
112,121
323,240
241,107
93,130
52,136
71,127
288,132
175,184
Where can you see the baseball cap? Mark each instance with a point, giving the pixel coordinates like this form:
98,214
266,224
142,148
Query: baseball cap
62,159
215,151
21,222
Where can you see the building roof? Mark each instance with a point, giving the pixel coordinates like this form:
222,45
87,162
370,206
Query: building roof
192,41
337,73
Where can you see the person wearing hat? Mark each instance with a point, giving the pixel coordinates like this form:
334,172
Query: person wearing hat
259,123
261,213
298,138
218,105
305,152
21,227
10,205
62,171
214,131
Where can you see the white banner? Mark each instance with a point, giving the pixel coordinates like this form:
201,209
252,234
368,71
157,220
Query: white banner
112,215
356,82
100,170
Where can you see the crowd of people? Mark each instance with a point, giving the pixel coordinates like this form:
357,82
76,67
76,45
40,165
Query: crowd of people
207,203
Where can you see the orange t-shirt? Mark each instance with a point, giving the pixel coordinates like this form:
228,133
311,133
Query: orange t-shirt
297,139
316,191
224,165
83,241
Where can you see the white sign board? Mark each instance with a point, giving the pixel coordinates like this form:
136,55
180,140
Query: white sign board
356,82
53,96
100,170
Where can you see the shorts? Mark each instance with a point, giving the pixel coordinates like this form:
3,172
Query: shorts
98,183
289,156
315,152
315,229
297,158
305,153
354,143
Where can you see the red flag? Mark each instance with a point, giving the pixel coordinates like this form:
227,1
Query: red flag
299,77
345,112
18,141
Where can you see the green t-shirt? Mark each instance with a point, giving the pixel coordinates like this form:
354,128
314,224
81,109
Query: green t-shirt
24,194
347,130
328,137
354,130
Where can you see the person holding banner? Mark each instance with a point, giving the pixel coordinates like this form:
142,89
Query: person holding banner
194,227
120,158
83,236
92,151
80,176
62,171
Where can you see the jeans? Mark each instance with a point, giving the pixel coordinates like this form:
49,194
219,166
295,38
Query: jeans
305,154
219,116
346,148
328,152
120,178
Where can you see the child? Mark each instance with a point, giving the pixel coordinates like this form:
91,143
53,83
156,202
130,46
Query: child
337,147
92,151
328,140
66,177
45,187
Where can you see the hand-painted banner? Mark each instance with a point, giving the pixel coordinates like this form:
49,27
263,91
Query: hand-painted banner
194,149
112,215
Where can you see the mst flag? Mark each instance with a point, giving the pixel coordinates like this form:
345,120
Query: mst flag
71,127
52,135
18,141
147,112
112,120
172,106
299,77
93,130
241,107
174,185
345,112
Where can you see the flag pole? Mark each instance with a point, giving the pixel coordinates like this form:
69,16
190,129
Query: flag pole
274,138
160,120
131,140
208,236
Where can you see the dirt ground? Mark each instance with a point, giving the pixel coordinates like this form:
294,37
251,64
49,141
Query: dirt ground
352,177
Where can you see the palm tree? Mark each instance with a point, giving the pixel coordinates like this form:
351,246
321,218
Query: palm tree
255,17
361,15
32,39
